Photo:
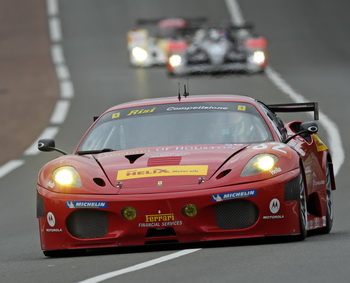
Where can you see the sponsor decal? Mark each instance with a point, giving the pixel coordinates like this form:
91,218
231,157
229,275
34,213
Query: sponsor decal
51,184
160,217
141,111
116,115
51,219
273,217
275,206
162,171
324,221
241,108
228,146
86,204
160,220
54,230
319,143
196,108
275,170
319,183
234,195
160,224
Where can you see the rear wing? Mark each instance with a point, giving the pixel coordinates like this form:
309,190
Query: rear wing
154,21
296,107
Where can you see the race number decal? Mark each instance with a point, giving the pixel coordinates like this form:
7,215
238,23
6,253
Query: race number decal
273,145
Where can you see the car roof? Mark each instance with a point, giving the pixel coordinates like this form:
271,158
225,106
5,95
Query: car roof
189,99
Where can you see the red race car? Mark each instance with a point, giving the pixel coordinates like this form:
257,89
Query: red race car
186,169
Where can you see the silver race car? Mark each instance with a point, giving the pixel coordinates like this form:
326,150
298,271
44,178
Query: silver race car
148,42
218,49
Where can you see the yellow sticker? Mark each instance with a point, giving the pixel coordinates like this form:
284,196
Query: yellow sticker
146,172
160,217
319,143
116,115
241,108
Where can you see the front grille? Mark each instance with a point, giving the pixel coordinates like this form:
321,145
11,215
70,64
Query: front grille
85,223
236,214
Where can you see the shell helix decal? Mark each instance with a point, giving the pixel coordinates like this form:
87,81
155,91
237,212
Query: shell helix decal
162,171
319,143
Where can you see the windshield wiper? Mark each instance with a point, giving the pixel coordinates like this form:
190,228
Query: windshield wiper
94,151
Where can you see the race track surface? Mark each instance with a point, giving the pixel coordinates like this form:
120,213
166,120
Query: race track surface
308,48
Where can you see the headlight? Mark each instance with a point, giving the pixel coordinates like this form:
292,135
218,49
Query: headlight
129,213
259,57
175,60
190,210
67,176
258,164
139,54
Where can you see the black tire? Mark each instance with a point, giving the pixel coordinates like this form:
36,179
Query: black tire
329,199
302,209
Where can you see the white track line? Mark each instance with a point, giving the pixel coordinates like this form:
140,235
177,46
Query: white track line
146,264
59,114
334,138
10,166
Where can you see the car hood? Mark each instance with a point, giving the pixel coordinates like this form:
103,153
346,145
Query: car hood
165,167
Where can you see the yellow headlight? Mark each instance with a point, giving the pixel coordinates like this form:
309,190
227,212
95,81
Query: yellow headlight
265,162
129,213
190,210
67,176
175,60
139,54
259,163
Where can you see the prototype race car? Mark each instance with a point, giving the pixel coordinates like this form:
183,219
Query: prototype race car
218,49
189,169
148,42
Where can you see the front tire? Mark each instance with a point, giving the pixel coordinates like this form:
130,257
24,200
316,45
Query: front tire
329,200
302,209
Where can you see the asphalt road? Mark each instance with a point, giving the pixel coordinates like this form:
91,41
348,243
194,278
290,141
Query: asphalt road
308,47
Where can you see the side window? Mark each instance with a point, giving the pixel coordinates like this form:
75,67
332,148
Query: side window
276,122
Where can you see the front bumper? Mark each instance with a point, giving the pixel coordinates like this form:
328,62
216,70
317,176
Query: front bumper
210,68
70,221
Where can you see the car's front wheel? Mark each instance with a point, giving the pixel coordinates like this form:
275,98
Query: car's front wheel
302,209
329,200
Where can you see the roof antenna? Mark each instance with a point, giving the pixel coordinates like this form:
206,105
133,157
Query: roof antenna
186,92
179,95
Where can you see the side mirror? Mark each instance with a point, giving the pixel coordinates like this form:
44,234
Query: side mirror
306,128
48,145
309,127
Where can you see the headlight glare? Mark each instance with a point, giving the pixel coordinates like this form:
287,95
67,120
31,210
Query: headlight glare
139,54
259,163
259,57
175,60
67,176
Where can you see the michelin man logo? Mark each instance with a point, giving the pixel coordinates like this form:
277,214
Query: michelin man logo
217,198
274,206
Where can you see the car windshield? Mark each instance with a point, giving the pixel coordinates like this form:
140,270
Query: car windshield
177,124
